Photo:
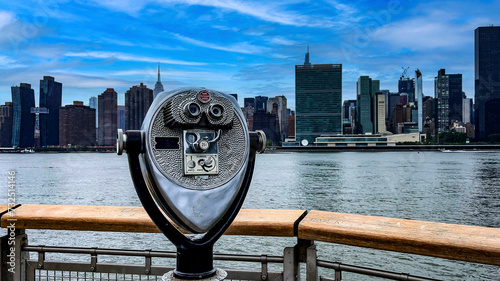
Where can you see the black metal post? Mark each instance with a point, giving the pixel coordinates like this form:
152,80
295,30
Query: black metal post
194,262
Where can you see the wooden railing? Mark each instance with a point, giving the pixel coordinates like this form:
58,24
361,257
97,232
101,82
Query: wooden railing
457,242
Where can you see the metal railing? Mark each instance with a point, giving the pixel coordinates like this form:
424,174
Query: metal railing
42,269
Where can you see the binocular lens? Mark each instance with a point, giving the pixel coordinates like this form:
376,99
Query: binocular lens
193,109
216,111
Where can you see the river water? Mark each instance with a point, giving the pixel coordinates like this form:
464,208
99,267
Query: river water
460,188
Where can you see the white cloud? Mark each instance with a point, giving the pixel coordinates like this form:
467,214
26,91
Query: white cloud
344,9
436,29
6,18
85,81
128,6
128,57
5,61
261,11
279,40
243,47
265,11
175,74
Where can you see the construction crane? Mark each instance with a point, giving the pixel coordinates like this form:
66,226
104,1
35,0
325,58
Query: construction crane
404,72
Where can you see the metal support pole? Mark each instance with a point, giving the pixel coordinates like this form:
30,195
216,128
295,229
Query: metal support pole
311,266
3,257
291,269
12,258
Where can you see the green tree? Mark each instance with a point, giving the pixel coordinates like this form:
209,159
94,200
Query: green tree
452,138
494,138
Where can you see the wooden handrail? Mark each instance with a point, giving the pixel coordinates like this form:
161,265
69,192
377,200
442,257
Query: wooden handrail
135,219
458,242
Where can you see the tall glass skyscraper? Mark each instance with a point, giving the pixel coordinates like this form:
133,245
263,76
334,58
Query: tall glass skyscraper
365,93
23,122
249,102
406,85
50,98
261,104
487,78
318,100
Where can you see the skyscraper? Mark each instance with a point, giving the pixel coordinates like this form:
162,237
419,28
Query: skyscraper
6,125
261,104
492,124
365,93
77,125
393,99
278,103
449,96
428,108
346,108
93,104
51,99
120,110
379,113
137,102
158,86
107,111
406,85
487,76
467,110
318,100
419,91
306,60
267,122
23,123
249,102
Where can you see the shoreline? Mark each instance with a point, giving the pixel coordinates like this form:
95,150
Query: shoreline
418,148
279,149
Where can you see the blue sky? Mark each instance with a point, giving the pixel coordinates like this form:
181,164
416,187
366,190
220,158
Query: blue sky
248,48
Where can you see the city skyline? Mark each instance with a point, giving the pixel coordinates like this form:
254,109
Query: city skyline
232,46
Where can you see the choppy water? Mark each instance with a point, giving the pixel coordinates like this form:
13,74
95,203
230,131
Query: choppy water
461,188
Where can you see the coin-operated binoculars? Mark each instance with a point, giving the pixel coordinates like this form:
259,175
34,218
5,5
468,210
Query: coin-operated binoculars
192,161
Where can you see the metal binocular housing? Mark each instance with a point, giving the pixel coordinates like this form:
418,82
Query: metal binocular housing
192,160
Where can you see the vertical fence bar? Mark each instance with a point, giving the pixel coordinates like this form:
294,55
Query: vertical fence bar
311,266
291,269
18,272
